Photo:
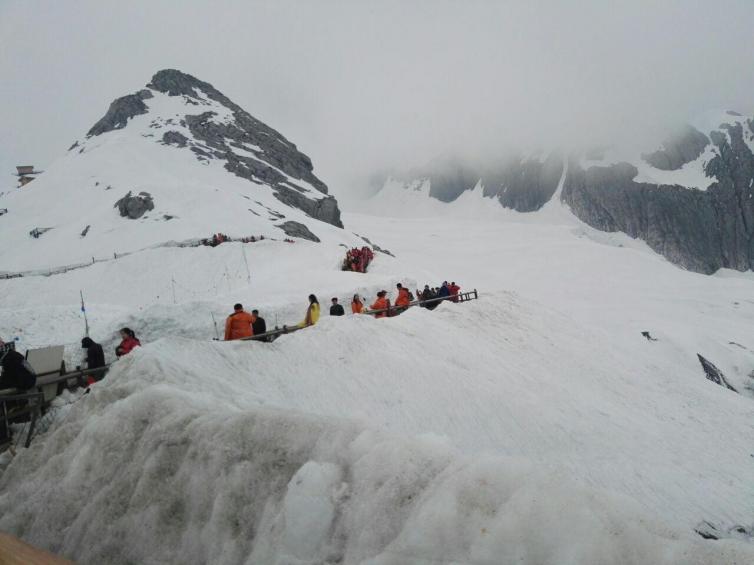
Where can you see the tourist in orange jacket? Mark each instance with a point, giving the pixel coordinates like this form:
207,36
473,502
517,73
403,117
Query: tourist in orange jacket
403,299
382,303
356,304
238,324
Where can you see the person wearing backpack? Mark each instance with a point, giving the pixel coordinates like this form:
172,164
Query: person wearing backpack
17,372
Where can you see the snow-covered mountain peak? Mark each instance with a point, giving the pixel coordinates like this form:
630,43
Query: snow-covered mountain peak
173,161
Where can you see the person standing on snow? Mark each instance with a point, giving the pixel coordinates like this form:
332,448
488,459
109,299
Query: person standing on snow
95,357
454,290
17,373
444,291
404,299
356,304
238,324
312,312
128,343
258,326
382,303
336,309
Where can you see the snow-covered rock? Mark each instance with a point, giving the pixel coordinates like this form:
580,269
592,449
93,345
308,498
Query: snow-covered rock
206,165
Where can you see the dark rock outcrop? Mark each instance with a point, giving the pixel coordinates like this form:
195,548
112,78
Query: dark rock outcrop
714,374
524,185
678,150
711,531
699,230
174,138
297,229
250,149
265,155
134,207
120,111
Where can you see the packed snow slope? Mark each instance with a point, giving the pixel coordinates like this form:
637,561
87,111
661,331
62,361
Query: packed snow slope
176,161
535,425
505,439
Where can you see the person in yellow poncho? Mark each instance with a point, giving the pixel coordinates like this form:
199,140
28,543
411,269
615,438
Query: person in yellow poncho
312,313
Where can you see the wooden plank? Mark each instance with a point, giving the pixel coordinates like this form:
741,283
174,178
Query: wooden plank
13,551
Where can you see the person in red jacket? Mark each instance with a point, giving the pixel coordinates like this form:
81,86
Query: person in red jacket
238,324
403,299
454,290
128,343
382,303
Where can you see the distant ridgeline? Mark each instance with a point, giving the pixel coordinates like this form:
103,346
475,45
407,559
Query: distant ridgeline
691,200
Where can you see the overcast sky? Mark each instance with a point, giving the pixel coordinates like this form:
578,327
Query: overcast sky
364,85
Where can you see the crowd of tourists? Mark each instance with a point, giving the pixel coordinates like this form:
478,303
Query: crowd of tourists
357,260
17,373
219,238
241,324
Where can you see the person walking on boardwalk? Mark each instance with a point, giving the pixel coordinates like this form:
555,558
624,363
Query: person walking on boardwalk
258,325
336,309
404,299
312,312
356,304
382,303
238,324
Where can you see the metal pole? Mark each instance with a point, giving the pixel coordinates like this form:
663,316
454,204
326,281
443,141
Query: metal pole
217,333
248,272
83,309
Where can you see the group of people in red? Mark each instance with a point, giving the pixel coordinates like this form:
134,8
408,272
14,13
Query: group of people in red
219,238
357,260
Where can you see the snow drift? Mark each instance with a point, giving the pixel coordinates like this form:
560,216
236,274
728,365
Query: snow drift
340,444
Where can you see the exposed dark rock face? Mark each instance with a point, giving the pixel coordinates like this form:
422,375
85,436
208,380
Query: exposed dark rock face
374,246
275,161
711,531
134,207
699,230
296,229
250,149
120,111
174,138
714,374
680,149
448,178
525,186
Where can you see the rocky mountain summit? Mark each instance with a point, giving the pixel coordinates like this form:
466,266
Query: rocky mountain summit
249,148
173,163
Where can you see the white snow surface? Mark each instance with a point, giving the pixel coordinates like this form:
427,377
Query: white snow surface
690,175
535,425
81,189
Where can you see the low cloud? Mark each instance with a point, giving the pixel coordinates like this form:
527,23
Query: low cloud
362,86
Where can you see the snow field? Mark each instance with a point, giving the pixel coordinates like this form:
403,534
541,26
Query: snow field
534,424
332,445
